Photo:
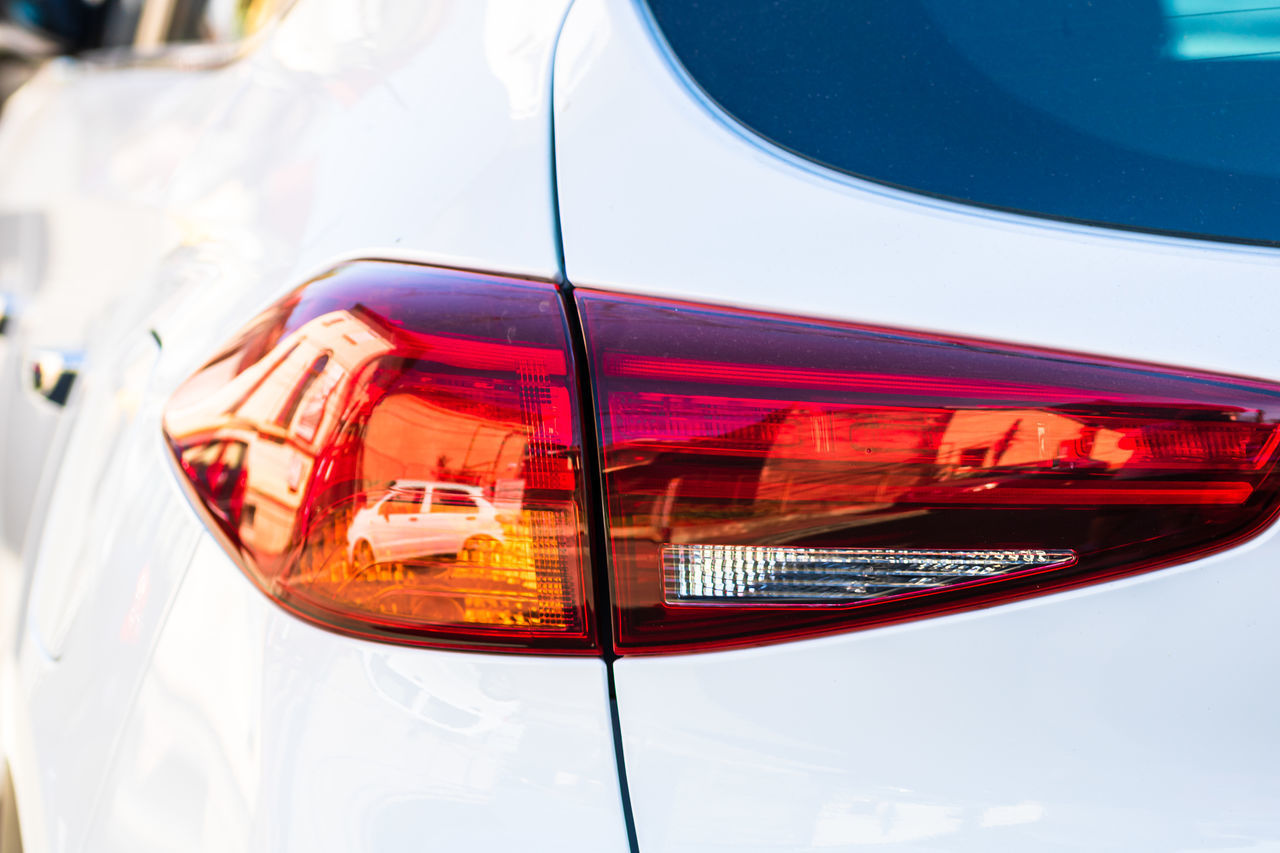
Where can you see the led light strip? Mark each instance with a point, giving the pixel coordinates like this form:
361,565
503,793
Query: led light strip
751,574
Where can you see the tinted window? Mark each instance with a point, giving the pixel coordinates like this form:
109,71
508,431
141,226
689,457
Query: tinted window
1153,114
406,502
452,500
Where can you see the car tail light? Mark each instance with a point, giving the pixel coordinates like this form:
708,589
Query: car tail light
393,451
769,477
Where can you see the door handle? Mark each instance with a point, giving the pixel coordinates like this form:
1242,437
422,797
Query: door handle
8,312
53,372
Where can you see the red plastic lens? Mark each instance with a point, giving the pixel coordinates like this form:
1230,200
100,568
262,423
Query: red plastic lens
770,477
393,451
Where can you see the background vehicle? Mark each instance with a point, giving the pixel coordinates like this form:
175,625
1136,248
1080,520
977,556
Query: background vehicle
78,263
674,352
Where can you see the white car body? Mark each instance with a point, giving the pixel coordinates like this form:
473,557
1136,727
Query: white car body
152,698
142,664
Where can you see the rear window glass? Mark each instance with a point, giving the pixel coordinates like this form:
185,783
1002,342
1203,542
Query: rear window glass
1160,115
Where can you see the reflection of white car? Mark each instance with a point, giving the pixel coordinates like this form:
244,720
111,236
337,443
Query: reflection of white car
421,519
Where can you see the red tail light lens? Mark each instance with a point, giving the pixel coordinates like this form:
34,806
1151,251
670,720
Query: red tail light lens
393,451
769,477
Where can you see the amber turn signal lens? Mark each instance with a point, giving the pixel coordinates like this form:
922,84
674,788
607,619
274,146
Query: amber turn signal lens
393,451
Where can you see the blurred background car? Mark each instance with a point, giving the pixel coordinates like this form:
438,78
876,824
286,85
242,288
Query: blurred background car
58,281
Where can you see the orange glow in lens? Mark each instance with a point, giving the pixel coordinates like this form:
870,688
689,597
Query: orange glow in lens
392,451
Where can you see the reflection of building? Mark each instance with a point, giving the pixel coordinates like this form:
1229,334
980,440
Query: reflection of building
424,477
275,417
773,467
726,470
410,435
1241,30
977,439
277,411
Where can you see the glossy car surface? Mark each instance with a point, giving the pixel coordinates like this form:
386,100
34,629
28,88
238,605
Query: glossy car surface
153,698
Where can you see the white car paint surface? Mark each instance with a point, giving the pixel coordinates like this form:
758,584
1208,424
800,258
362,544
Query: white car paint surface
156,699
1135,715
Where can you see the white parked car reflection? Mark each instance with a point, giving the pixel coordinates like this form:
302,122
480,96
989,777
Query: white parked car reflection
420,519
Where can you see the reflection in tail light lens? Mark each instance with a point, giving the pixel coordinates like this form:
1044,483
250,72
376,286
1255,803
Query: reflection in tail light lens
768,477
392,451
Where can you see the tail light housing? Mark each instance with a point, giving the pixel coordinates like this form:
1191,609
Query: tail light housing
396,452
769,477
393,451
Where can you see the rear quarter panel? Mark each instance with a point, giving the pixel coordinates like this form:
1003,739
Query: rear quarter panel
1135,715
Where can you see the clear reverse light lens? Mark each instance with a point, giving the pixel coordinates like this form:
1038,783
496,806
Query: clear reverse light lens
727,574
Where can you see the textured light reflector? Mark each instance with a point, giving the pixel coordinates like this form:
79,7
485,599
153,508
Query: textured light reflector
746,574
